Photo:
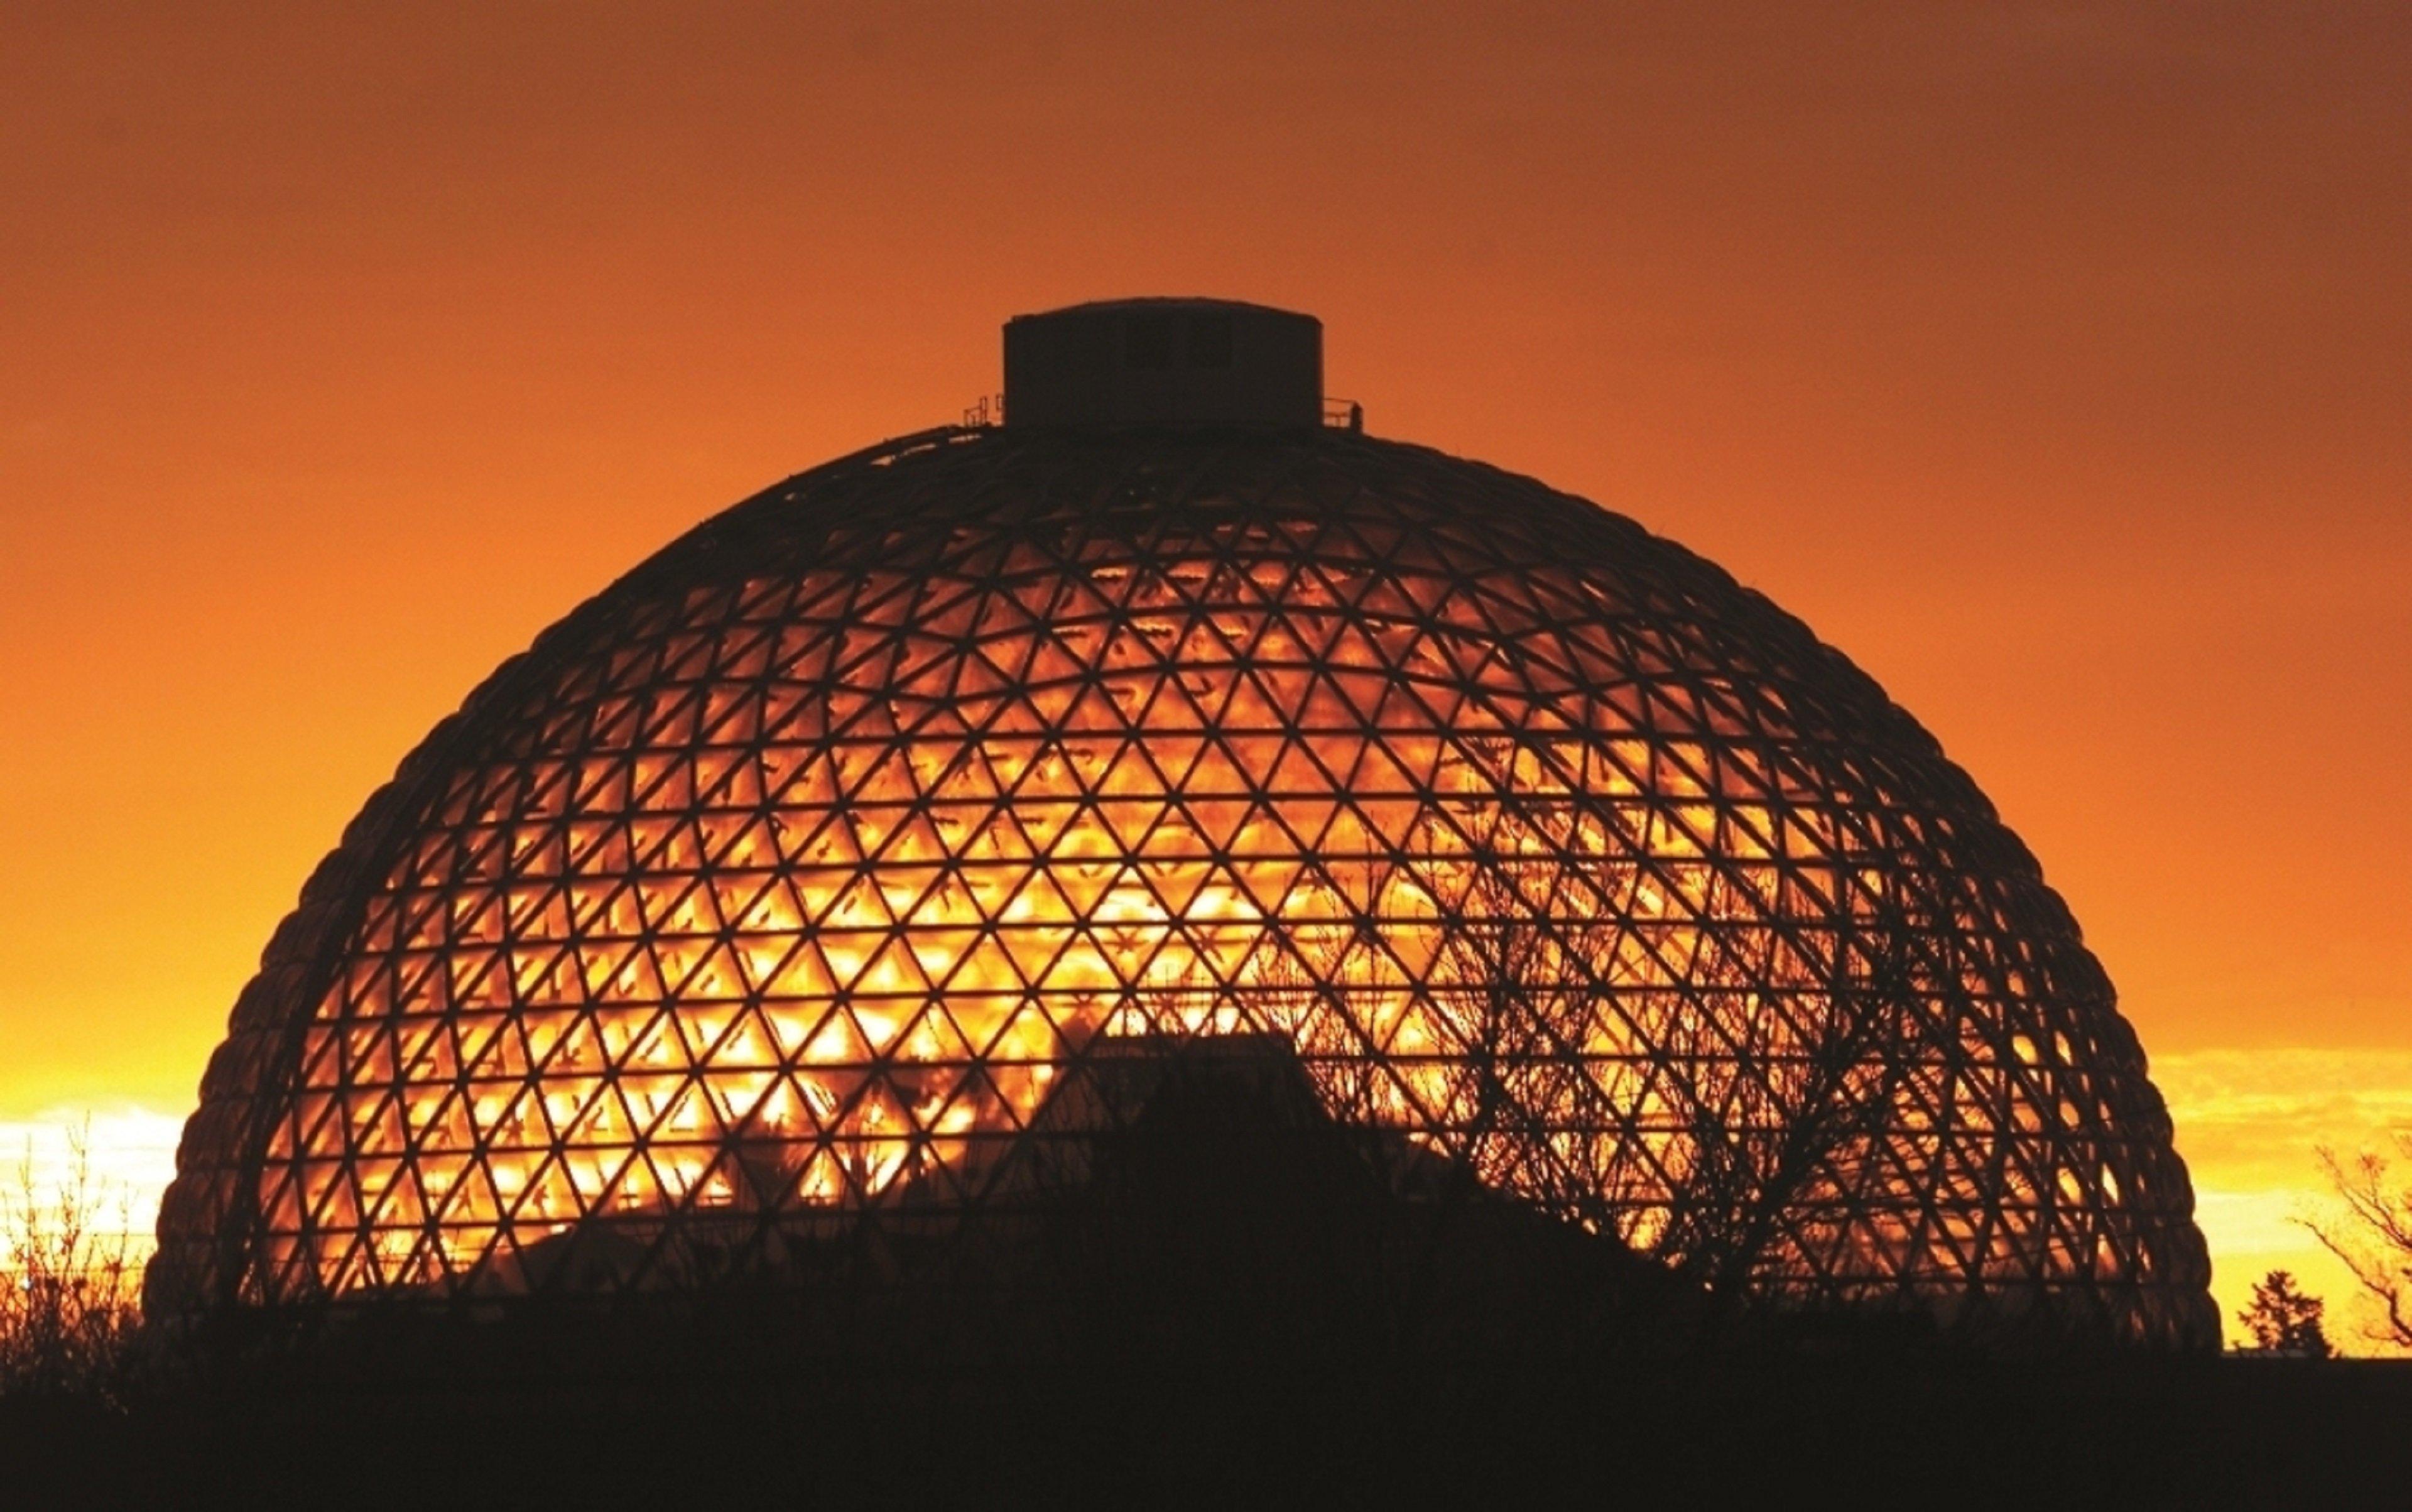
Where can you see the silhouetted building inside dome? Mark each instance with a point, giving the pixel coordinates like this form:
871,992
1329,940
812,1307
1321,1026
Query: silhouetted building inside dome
854,877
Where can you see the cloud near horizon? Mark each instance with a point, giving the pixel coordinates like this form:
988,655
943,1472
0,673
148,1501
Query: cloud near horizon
2250,1123
114,1161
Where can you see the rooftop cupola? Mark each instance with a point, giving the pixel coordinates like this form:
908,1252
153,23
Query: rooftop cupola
1164,363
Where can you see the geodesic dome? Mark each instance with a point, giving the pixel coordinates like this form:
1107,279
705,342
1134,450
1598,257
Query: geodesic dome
798,877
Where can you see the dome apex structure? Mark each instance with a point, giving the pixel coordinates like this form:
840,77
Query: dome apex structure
1164,363
843,877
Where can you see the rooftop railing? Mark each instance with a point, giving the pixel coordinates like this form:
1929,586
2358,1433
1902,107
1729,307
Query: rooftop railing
989,410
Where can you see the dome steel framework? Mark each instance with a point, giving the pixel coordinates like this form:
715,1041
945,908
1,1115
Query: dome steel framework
794,879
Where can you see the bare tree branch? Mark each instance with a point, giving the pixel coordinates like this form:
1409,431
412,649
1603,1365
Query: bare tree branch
68,1283
2373,1236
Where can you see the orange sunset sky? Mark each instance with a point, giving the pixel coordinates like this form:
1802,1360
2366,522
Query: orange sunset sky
2054,361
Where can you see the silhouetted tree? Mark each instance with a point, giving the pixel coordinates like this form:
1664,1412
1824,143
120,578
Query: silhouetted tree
1790,1092
2284,1320
1674,1077
2373,1236
68,1287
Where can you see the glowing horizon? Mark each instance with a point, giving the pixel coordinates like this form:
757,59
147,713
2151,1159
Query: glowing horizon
2248,1198
2251,1190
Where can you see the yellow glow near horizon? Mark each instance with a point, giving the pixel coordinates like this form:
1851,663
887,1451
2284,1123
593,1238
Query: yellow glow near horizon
2246,1121
113,1162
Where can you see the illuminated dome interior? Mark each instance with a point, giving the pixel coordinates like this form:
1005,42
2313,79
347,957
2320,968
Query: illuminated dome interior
792,880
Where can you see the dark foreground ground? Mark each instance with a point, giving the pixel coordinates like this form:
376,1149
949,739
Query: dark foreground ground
1785,1431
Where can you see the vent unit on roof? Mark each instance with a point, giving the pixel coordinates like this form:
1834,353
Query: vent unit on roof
1164,363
